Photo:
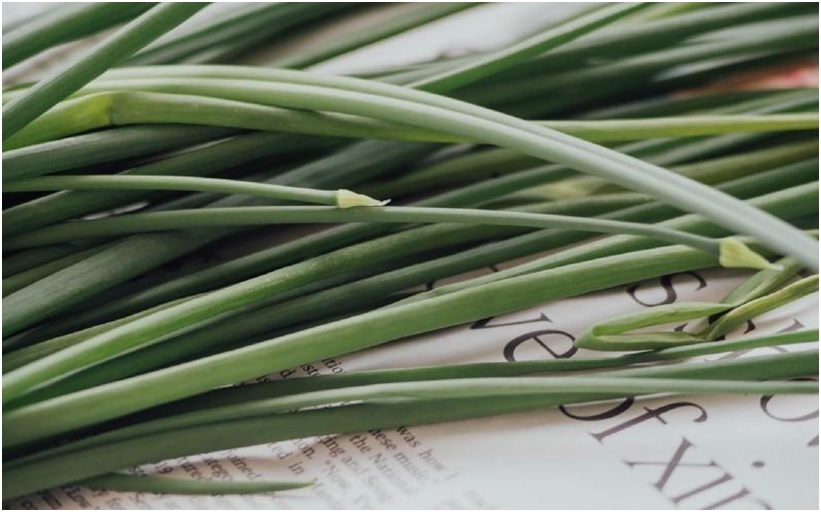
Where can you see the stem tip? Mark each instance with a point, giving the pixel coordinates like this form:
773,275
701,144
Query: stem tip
733,253
349,199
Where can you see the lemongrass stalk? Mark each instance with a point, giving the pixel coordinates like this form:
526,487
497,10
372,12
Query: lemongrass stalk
50,28
340,198
158,484
264,215
110,52
102,147
335,338
48,467
415,107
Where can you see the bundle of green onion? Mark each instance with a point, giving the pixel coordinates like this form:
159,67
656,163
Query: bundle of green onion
149,148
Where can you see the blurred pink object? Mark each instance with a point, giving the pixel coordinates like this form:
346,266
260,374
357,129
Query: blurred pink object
803,73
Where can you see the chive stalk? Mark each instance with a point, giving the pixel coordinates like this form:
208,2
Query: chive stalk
343,336
385,102
110,52
340,198
351,418
244,216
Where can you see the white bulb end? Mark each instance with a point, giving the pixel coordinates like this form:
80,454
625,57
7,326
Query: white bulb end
733,253
349,199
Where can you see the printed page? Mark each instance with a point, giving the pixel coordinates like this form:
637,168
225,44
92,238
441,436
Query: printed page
690,452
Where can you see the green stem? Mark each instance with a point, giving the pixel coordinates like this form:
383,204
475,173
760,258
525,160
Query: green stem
72,22
335,338
153,484
126,108
241,28
102,147
610,130
364,292
235,330
437,112
85,279
757,295
741,314
625,39
239,394
282,255
787,199
104,110
184,183
202,161
264,215
22,279
492,63
52,468
110,52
